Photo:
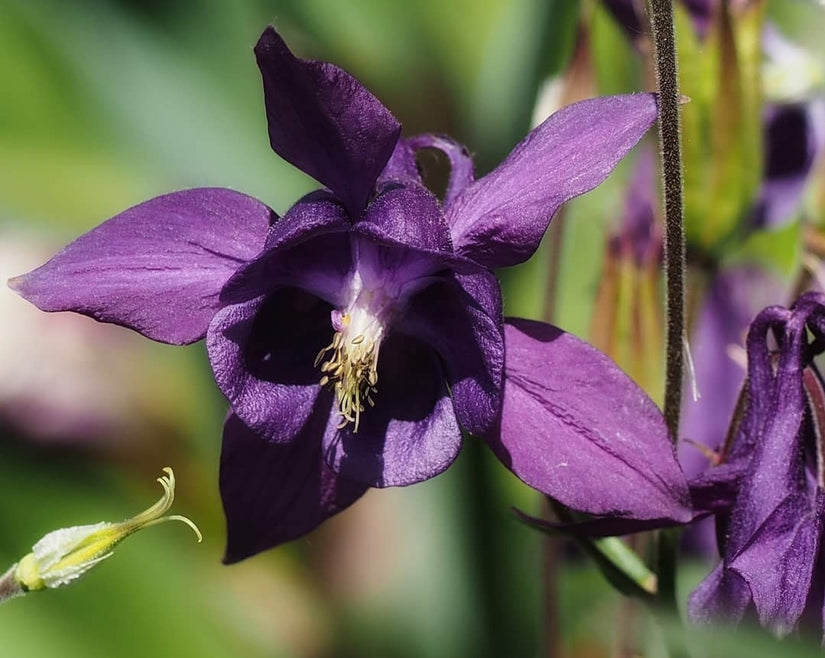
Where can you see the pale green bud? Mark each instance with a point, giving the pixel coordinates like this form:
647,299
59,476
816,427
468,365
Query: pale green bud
66,554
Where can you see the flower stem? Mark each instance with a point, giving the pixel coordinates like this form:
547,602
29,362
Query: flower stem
664,39
669,143
9,587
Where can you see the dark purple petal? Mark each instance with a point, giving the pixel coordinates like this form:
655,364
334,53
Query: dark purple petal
325,122
461,318
626,13
794,136
273,493
639,234
603,526
779,560
576,428
402,166
715,490
701,12
773,476
317,213
410,215
156,268
722,596
499,219
411,434
263,352
309,248
461,163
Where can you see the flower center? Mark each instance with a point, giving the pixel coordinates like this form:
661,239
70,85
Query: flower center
350,362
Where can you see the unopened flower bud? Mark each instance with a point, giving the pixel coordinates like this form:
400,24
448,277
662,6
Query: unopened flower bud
66,554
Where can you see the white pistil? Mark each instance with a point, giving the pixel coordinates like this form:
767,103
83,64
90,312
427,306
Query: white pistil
351,365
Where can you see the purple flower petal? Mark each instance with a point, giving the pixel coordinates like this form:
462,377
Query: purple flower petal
576,428
723,595
461,319
701,11
602,526
156,268
402,166
262,353
499,219
639,234
627,15
788,542
273,493
325,122
308,248
794,136
461,163
410,215
411,434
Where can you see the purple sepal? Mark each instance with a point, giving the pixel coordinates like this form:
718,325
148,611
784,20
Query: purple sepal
499,219
599,527
411,434
325,122
788,540
262,354
273,493
461,318
576,428
156,268
722,596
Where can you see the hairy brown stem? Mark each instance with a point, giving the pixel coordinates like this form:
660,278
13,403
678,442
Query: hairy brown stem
669,142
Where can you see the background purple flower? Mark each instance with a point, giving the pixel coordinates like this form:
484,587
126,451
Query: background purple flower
772,476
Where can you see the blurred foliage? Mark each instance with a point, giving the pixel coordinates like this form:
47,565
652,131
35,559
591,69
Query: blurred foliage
109,102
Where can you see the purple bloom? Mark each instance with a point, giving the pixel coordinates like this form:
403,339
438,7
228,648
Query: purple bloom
356,336
770,489
632,16
794,135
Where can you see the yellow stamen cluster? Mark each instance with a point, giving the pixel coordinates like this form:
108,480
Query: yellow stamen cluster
352,372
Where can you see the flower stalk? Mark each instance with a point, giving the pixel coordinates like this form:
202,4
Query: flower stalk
674,243
664,38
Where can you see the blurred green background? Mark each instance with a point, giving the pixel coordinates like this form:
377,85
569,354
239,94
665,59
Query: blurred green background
105,103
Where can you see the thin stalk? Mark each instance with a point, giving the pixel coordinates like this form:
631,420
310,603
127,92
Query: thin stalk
669,142
664,39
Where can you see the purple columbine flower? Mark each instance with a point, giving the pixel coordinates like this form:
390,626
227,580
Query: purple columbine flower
770,488
356,336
